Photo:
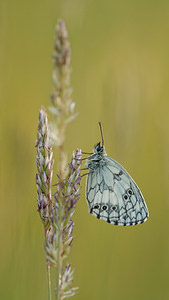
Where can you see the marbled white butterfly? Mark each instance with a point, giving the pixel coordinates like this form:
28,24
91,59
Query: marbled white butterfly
111,193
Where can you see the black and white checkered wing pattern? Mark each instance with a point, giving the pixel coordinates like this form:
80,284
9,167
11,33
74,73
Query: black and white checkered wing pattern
113,196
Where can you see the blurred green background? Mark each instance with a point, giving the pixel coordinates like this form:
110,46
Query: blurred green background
120,60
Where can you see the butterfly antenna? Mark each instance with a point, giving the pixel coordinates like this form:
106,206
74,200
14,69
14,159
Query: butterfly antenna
101,131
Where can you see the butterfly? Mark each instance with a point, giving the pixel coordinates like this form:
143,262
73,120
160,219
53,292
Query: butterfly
111,193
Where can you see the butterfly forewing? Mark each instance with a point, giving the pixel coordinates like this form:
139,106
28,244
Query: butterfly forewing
112,194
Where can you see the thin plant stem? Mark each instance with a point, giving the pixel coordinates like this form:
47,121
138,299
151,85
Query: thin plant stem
49,281
58,256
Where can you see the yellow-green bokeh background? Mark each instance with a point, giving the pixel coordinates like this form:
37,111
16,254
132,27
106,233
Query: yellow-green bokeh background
120,60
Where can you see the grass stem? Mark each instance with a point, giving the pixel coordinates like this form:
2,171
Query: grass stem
49,281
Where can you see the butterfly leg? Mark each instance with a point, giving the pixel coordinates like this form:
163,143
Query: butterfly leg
86,153
79,158
85,174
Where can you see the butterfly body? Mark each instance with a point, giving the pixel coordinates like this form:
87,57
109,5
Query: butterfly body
111,193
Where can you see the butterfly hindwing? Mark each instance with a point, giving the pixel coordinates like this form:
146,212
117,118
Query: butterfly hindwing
113,196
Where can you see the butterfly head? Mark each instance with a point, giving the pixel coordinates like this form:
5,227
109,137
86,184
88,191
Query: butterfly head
99,149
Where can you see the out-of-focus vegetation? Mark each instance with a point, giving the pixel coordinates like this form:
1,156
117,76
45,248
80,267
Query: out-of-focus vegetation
120,61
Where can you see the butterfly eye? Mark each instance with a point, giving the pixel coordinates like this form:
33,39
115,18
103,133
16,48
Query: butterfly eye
104,207
98,148
130,192
125,197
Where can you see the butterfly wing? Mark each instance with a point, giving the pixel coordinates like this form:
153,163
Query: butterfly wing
113,196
